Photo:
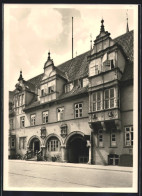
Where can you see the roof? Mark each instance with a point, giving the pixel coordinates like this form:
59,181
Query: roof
126,42
11,96
77,67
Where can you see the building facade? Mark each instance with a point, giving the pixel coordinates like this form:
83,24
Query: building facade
80,111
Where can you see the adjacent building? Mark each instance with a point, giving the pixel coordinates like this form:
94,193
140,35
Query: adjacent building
80,111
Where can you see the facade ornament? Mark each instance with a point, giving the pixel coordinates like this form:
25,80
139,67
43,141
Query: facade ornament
63,128
43,132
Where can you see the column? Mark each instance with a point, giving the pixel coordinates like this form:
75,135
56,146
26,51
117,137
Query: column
64,153
89,146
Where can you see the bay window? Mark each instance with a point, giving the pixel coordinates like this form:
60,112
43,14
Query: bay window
97,101
109,98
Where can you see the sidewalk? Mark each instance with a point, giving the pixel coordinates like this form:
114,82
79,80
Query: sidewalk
79,165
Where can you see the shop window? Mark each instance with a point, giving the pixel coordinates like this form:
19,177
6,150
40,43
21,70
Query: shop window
100,138
22,143
113,139
129,136
109,98
60,113
22,122
45,117
78,110
96,101
33,116
113,159
11,124
53,145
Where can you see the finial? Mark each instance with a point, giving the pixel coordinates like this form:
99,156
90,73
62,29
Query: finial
49,55
90,41
102,25
127,27
20,77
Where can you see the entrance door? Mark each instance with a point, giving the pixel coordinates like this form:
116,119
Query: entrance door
35,145
77,151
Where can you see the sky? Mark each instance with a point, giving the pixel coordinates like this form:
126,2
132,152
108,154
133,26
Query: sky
31,31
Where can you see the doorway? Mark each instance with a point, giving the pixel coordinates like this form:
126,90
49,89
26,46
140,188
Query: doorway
77,150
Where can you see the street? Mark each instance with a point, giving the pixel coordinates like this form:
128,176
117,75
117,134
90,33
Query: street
44,175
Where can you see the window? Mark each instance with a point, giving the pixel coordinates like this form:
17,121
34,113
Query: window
54,145
22,101
45,117
68,87
51,89
42,92
33,119
113,159
109,98
96,101
96,69
129,136
111,64
12,141
60,113
11,124
85,82
100,138
113,138
78,110
22,143
22,121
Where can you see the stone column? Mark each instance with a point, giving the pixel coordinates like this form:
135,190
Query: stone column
89,146
64,153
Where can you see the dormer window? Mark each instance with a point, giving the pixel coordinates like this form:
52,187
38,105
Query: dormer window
68,87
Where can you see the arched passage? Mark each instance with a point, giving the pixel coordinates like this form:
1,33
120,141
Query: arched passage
77,151
34,144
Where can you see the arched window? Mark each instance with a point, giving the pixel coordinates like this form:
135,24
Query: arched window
53,144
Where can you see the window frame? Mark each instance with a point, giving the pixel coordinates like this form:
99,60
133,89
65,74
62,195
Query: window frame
21,118
60,119
100,143
11,125
78,109
113,143
109,98
32,124
22,141
130,135
53,145
46,117
96,102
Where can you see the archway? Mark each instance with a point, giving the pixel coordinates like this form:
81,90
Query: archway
34,145
78,152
